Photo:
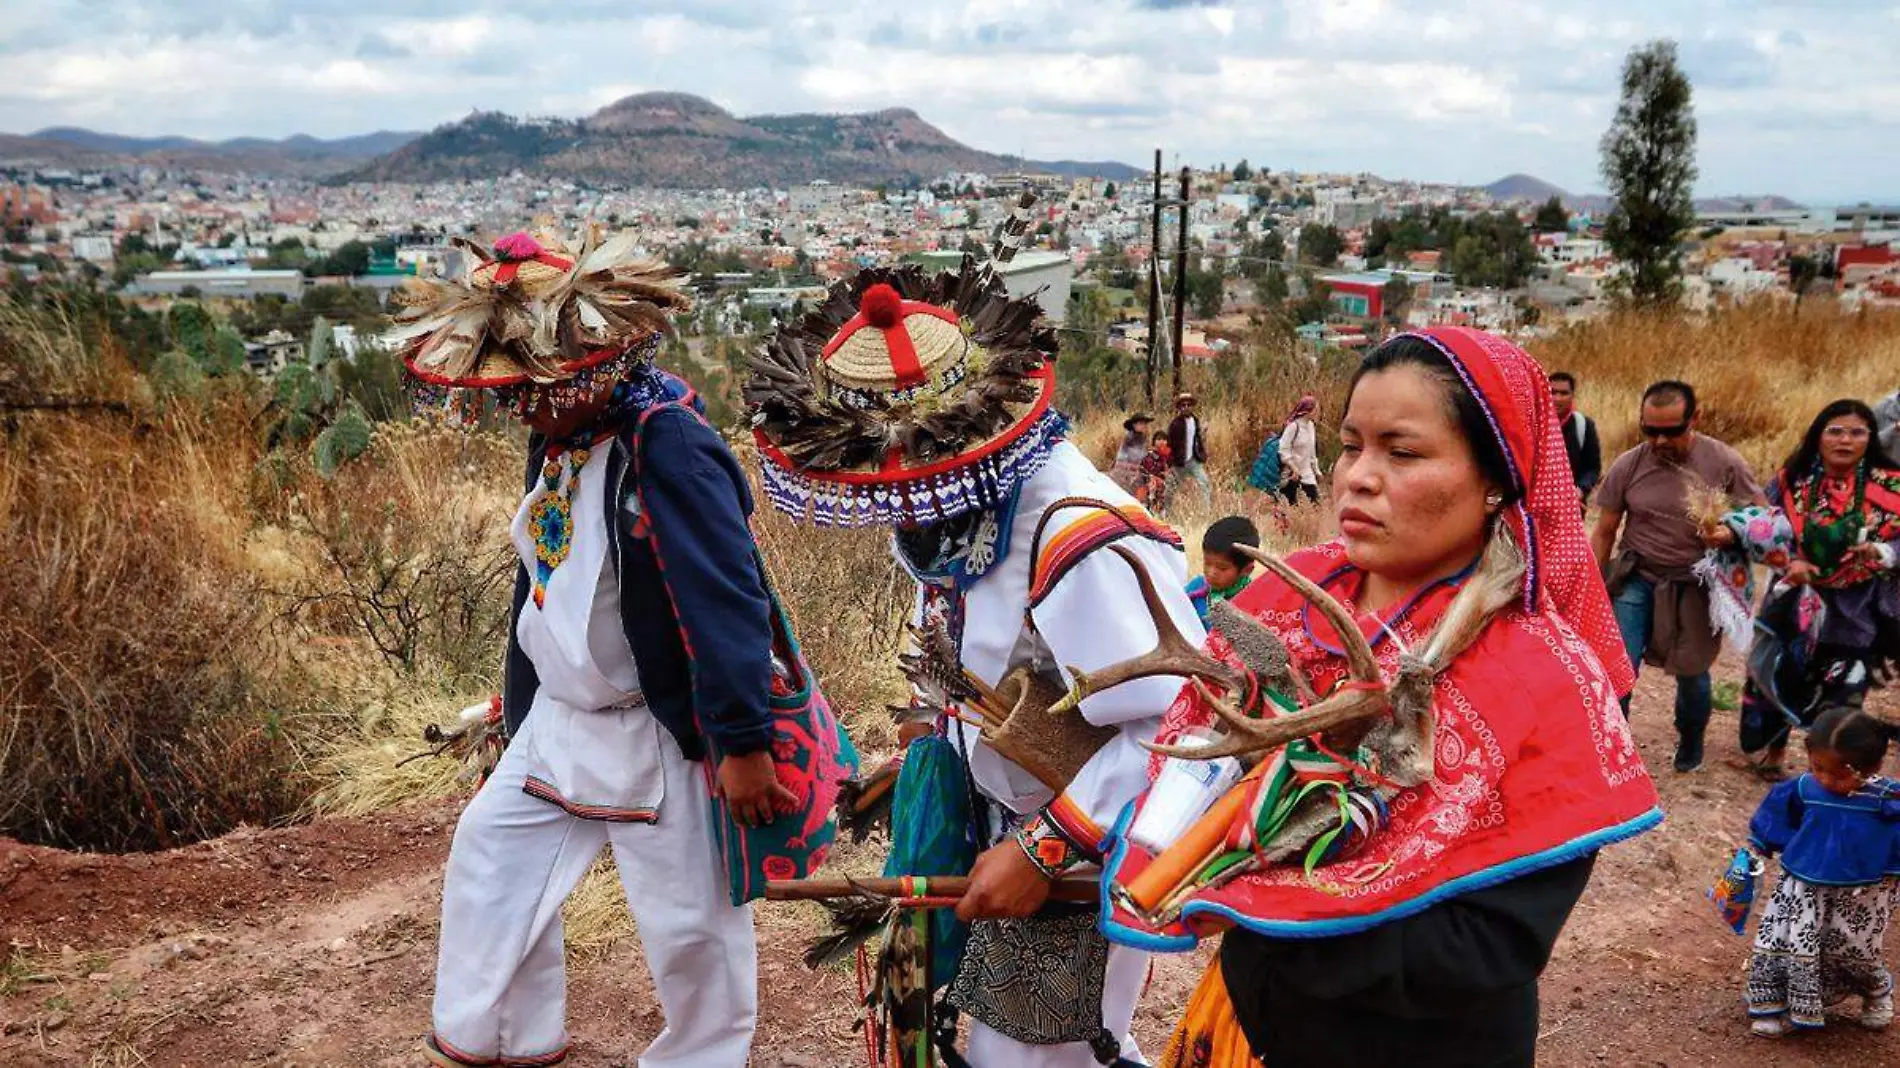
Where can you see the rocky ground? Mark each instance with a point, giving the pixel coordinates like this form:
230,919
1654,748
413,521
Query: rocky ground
315,945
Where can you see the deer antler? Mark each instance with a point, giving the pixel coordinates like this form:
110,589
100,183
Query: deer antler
1173,654
1362,697
1360,663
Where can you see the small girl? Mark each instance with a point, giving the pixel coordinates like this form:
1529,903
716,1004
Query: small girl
1837,829
1154,471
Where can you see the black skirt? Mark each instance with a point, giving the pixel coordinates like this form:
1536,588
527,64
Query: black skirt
1454,986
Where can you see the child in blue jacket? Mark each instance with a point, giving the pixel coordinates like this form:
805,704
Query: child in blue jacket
1837,829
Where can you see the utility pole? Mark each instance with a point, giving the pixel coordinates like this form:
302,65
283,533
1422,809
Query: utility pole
1180,282
1154,284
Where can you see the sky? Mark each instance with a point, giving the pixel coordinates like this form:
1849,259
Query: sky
1799,98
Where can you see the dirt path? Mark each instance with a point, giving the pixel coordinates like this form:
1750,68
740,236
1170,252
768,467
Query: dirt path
315,946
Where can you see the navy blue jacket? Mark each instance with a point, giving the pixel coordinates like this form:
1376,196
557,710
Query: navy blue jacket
693,599
1828,840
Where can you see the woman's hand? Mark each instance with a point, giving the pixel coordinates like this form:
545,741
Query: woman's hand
1004,884
749,783
1800,573
1869,553
1718,537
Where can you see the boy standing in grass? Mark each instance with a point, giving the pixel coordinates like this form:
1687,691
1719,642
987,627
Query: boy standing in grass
1224,570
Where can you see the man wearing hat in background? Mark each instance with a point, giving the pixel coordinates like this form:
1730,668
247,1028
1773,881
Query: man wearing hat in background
923,404
1187,449
623,679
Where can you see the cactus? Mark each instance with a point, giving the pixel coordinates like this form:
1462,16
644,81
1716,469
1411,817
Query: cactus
345,439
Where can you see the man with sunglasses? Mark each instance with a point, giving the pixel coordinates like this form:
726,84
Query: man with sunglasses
1661,607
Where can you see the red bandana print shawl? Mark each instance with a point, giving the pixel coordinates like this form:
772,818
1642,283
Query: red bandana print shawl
1535,764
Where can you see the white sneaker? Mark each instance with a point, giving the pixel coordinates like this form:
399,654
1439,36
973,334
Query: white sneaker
1877,1013
1768,1026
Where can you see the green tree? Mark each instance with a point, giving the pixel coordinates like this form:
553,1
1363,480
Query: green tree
191,328
1802,271
1316,299
1551,217
1110,192
1649,165
1395,297
351,258
1207,292
1320,244
1262,254
1242,172
1273,286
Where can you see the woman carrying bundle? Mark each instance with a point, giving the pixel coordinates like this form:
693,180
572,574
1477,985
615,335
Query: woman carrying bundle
1127,471
1840,492
1464,562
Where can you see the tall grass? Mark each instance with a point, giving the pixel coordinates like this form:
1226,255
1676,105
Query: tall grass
137,706
1761,370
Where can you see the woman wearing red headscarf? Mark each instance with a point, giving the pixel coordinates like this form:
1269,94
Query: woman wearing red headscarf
1423,943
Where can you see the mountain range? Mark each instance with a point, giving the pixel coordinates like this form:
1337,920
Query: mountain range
675,140
653,139
679,140
299,155
1528,189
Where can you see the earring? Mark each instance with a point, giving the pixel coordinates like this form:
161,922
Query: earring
1494,500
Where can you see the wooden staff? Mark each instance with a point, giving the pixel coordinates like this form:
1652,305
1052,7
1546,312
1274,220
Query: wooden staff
1071,890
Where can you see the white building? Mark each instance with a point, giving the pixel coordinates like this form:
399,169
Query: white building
1350,213
1740,278
816,196
236,282
95,248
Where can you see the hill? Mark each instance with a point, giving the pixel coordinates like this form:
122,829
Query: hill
1523,187
684,141
1528,189
299,154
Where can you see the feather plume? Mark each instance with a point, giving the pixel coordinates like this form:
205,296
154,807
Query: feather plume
854,920
816,433
1498,582
865,803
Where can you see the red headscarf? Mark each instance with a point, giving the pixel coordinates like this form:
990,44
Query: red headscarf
1534,764
1515,395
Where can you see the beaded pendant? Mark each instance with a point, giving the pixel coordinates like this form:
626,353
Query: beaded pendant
551,518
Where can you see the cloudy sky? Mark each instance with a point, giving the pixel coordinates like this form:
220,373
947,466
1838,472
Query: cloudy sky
1798,98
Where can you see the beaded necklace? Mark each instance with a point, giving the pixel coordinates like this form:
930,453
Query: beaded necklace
1830,534
551,516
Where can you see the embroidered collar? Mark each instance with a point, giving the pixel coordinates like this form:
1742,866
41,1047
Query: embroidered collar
1387,625
960,554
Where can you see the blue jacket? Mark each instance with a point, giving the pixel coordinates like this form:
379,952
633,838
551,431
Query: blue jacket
1829,840
693,598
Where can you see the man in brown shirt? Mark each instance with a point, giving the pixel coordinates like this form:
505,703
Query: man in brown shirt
1661,607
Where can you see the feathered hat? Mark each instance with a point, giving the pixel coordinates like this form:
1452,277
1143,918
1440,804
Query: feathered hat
905,398
534,309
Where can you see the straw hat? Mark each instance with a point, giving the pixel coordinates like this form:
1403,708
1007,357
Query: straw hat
534,309
905,399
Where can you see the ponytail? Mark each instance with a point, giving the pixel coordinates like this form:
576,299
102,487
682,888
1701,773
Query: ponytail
1858,737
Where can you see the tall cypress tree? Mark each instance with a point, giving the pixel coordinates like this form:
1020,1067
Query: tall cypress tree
1649,164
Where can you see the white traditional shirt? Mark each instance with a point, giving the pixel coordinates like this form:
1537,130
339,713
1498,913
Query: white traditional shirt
595,746
1299,452
1093,617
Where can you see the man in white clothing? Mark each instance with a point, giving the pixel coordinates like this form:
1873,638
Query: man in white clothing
923,403
632,690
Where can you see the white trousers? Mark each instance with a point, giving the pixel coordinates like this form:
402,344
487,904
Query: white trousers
1122,985
501,978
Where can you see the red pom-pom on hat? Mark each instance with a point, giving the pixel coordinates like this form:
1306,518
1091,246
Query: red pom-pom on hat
881,306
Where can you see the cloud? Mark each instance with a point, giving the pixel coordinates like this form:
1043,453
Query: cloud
1793,96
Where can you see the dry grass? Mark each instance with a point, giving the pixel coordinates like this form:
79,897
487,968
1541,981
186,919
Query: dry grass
1761,371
